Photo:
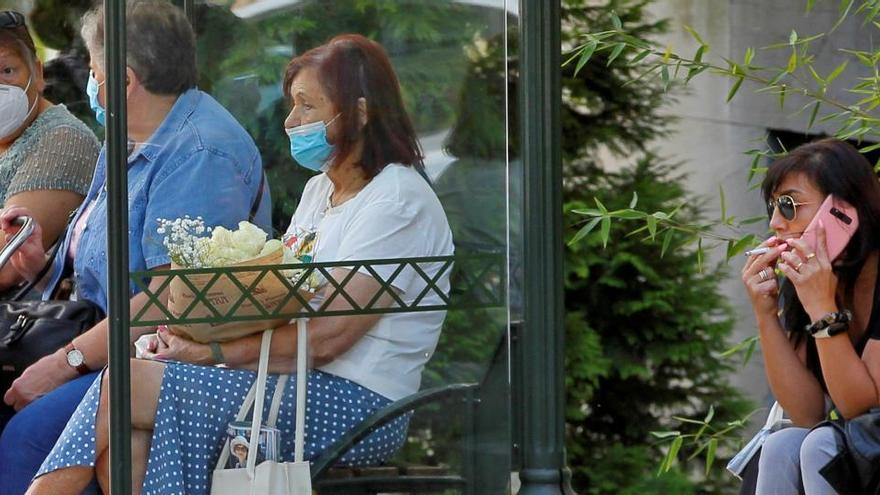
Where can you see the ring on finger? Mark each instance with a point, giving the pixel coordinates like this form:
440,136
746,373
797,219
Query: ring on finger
810,256
797,267
763,274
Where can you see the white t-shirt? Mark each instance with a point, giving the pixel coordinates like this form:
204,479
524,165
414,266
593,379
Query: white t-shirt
396,215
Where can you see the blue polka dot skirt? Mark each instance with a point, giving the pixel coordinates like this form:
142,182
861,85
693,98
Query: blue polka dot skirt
196,403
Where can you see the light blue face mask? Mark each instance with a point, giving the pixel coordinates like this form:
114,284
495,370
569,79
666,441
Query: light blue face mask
92,91
309,146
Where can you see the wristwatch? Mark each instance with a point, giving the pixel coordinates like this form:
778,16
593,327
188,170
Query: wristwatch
75,359
830,325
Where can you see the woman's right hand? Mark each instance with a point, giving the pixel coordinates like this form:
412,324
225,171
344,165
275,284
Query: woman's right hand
760,279
30,257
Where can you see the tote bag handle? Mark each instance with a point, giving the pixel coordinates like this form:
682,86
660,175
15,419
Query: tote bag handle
256,396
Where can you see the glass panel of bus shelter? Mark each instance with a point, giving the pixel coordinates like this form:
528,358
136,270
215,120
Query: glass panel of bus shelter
453,62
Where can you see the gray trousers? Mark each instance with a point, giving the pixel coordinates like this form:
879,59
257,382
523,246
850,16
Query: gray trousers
791,459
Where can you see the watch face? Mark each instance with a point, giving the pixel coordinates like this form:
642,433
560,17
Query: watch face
74,358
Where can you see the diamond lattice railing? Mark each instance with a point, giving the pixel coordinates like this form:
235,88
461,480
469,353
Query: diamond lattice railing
245,293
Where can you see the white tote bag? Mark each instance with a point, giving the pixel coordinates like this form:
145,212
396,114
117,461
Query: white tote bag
775,421
270,477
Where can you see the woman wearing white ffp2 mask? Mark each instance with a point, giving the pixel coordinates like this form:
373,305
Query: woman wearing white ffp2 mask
47,156
14,107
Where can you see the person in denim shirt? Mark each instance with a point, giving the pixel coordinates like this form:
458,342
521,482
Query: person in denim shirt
188,156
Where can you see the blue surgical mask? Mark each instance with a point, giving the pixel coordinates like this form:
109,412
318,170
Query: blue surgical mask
309,146
92,91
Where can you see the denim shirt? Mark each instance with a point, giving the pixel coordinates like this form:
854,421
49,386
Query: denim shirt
199,162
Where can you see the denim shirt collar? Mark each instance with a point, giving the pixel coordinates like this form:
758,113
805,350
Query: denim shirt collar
181,110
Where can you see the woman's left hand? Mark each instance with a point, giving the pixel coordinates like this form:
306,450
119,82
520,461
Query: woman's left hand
171,347
810,272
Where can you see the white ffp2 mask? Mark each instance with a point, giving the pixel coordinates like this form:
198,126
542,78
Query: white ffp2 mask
14,108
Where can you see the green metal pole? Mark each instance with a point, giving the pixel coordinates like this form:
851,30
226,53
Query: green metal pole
542,405
117,247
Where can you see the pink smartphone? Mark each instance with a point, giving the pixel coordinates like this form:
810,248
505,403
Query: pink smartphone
841,222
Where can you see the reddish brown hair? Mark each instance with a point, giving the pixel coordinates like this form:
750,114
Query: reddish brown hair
349,67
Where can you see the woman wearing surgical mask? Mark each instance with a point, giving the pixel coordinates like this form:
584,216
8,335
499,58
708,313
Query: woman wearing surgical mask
47,156
371,202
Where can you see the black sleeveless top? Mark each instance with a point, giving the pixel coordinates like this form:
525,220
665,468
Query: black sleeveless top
872,330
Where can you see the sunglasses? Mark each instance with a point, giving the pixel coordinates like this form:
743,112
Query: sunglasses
10,20
787,207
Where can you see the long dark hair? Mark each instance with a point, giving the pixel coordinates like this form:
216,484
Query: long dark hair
349,67
835,167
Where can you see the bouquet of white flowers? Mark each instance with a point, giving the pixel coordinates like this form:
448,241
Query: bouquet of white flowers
190,246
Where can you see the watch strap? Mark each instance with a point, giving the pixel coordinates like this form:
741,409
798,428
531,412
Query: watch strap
81,368
217,353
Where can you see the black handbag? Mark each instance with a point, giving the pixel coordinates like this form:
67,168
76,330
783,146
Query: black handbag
856,469
30,330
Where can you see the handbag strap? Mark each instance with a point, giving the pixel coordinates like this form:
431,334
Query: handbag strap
774,416
241,416
256,422
258,199
302,346
276,400
255,396
50,260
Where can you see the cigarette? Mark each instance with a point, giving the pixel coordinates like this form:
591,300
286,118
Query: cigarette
757,251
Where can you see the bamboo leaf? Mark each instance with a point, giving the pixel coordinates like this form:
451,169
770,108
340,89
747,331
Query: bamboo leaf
694,34
792,62
753,343
671,454
723,203
845,6
586,53
836,72
605,231
615,53
641,55
652,225
664,76
709,415
783,90
710,454
816,76
793,37
600,205
634,200
813,114
868,149
734,88
810,5
667,239
698,56
584,231
615,21
750,54
665,434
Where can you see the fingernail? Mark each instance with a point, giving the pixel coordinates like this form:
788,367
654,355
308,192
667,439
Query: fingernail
772,238
783,246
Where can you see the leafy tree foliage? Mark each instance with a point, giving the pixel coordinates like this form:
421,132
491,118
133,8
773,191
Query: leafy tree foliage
643,332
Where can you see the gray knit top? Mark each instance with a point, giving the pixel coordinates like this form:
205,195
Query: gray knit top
57,151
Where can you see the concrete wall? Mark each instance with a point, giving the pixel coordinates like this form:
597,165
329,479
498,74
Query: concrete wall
711,136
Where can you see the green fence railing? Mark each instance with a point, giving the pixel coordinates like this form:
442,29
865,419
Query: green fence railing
476,280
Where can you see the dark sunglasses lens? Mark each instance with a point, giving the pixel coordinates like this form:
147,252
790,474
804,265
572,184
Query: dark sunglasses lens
786,207
10,19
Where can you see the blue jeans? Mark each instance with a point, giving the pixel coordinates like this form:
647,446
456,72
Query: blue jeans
31,433
791,459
